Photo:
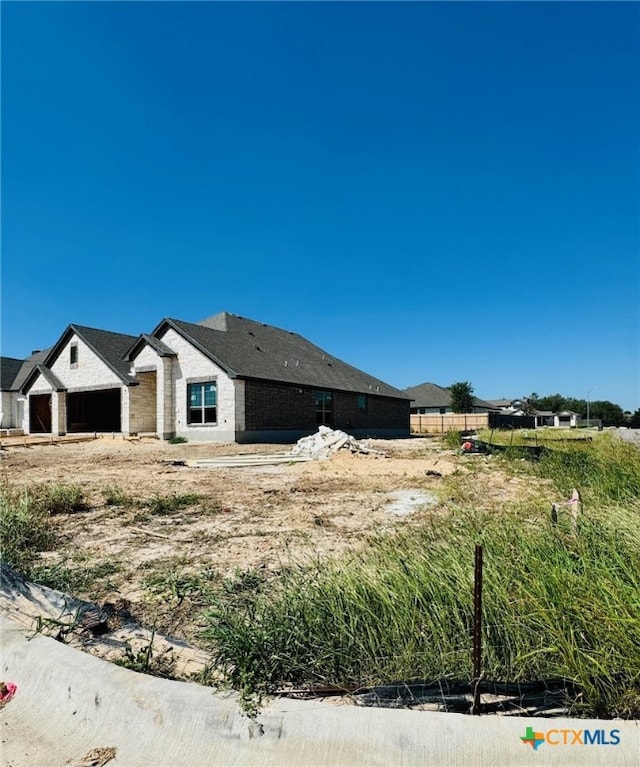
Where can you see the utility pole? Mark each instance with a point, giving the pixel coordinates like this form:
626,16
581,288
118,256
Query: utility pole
588,393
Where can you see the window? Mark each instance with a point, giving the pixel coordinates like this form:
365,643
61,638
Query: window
363,404
201,402
324,408
73,355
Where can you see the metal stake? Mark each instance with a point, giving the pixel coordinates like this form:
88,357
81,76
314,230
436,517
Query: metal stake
477,630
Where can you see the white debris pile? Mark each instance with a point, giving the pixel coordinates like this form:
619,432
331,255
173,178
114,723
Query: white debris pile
327,441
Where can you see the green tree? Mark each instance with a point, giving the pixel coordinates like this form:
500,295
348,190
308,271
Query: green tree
610,413
576,405
530,403
461,397
552,402
634,421
607,412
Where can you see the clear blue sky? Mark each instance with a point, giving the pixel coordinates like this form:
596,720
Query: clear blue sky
430,191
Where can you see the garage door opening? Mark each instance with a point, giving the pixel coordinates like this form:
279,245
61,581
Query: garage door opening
93,411
40,414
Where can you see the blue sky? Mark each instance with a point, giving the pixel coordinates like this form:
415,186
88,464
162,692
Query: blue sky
430,191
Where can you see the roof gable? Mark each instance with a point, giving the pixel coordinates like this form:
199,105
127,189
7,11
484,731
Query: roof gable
109,347
48,375
161,349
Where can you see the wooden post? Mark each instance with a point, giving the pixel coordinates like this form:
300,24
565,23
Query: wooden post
477,630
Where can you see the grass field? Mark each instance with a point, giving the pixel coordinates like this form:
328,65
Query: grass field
560,600
396,603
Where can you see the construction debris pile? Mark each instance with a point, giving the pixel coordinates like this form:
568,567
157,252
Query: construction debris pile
326,441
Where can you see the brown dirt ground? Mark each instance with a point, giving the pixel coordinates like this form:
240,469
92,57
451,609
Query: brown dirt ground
245,518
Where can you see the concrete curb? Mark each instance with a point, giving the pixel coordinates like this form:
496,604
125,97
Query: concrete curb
69,703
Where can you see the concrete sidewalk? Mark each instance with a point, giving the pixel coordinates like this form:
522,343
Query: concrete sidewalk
69,703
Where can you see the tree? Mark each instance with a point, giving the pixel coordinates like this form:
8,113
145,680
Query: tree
608,412
461,397
530,403
634,421
552,402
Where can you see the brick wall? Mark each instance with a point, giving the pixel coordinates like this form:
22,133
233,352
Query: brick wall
281,406
381,412
278,406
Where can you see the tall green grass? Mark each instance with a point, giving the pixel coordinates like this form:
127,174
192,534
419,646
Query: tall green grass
25,528
25,520
605,469
559,601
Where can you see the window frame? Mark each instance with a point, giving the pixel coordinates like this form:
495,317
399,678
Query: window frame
323,411
202,408
73,355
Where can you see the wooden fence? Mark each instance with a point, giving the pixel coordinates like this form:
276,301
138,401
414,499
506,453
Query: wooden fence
439,423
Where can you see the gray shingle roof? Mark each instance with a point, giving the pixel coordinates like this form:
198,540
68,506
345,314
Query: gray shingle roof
502,402
21,371
248,349
429,395
432,395
9,369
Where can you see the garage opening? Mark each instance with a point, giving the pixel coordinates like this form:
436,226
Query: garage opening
93,411
40,414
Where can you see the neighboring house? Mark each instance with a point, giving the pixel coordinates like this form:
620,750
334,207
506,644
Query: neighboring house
519,407
13,373
81,384
225,379
431,398
510,406
544,418
567,419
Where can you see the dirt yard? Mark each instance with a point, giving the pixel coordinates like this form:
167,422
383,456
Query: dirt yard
140,547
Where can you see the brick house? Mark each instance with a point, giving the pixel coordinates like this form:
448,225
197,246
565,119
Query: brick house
226,379
431,398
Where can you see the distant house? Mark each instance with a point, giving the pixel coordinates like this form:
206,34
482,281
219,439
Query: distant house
431,398
13,373
510,406
544,418
518,407
224,379
567,419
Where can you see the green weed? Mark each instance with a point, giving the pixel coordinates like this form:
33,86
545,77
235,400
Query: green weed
25,529
115,496
146,661
73,579
167,504
58,498
452,439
